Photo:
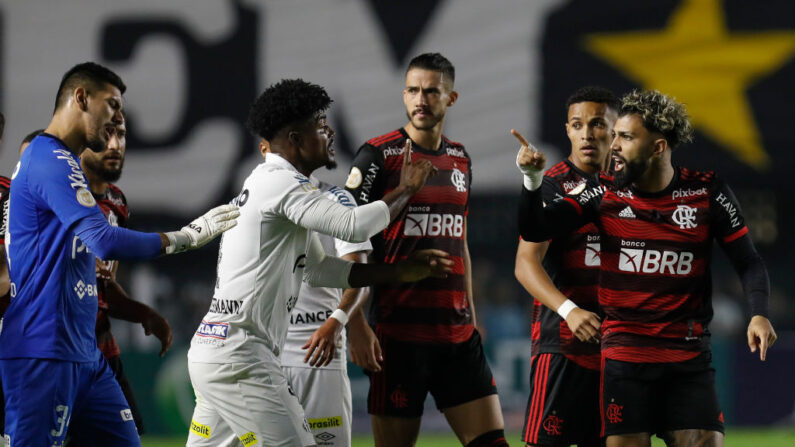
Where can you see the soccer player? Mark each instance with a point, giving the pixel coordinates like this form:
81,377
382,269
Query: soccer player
426,329
656,222
234,358
54,376
314,357
563,407
101,169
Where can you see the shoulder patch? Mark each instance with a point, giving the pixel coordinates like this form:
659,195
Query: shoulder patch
579,189
354,178
85,198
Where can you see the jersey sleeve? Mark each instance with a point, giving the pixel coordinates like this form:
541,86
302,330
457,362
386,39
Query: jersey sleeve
4,192
343,247
305,205
56,179
540,221
728,220
366,180
551,190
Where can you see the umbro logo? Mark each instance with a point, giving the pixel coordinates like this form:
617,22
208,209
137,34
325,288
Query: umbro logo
627,213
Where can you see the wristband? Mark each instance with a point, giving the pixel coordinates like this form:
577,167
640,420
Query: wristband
566,308
533,180
340,316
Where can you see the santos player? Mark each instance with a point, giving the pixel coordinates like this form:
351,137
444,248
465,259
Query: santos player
314,358
234,359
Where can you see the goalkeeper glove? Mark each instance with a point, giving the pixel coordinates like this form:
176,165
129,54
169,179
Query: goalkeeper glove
202,230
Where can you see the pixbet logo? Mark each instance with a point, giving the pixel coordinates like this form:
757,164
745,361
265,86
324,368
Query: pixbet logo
450,225
682,193
654,261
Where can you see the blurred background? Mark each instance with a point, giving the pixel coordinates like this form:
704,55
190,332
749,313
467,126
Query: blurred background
193,67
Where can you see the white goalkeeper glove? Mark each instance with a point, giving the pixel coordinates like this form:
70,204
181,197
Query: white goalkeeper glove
202,230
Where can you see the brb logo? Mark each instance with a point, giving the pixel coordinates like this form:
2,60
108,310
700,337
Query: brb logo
653,261
450,225
685,217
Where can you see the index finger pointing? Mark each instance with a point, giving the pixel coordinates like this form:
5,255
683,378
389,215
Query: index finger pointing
407,152
519,137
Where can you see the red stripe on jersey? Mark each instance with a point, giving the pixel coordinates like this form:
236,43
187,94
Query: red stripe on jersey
647,354
441,161
427,333
535,330
736,235
449,299
574,203
558,169
640,229
380,140
436,194
634,299
5,181
679,330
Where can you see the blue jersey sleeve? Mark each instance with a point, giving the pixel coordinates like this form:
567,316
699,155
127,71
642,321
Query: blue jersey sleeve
57,181
109,242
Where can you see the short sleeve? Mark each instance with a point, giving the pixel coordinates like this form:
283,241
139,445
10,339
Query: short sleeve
366,178
341,247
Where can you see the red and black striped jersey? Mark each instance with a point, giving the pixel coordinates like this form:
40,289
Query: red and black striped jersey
114,206
572,262
655,284
5,188
434,310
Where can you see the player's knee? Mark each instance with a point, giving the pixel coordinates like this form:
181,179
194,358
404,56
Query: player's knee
494,438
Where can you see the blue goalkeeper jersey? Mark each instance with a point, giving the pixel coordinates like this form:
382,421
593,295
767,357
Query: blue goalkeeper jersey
53,282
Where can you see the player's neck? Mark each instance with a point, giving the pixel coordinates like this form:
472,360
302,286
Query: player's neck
586,168
655,179
98,187
73,138
430,139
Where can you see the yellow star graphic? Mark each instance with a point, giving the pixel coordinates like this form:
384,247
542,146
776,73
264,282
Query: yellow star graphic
698,61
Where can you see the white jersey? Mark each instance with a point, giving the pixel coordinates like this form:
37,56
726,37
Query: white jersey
315,304
262,260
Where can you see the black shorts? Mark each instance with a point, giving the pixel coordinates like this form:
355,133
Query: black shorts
563,407
454,374
659,397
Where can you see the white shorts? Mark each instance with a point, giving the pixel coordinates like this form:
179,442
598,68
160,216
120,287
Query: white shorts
325,395
247,404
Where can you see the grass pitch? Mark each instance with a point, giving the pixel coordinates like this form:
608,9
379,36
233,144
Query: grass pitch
735,437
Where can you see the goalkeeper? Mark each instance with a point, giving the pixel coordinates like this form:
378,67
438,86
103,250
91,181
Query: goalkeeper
54,376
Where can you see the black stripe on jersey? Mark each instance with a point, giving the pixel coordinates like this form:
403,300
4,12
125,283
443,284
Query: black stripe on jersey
635,282
428,315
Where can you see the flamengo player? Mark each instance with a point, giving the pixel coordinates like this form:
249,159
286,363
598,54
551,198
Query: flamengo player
657,222
426,329
234,359
324,390
563,407
54,376
102,168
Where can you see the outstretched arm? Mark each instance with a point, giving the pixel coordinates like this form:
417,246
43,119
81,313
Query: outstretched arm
537,222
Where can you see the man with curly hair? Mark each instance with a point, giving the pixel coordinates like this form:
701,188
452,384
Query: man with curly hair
234,359
657,222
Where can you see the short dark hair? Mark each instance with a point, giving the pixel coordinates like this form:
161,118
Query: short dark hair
2,125
29,137
593,93
660,113
88,74
434,62
289,101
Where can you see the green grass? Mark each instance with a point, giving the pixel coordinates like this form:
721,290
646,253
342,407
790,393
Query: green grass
735,437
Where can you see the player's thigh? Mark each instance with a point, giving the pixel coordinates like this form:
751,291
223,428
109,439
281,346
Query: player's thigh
325,395
255,401
102,415
694,438
463,387
207,427
390,431
691,400
629,440
400,388
563,406
39,400
630,392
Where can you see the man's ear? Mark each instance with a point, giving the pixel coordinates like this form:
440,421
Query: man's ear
264,146
294,137
453,98
80,98
660,145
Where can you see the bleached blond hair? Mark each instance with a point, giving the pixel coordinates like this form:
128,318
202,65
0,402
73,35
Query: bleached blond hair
659,113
